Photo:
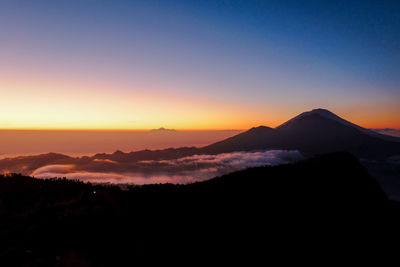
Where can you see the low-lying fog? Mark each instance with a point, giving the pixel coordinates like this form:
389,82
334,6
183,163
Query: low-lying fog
181,170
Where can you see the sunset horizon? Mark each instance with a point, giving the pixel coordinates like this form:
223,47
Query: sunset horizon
154,132
388,122
191,65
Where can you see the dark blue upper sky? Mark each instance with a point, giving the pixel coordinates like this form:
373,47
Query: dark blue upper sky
258,58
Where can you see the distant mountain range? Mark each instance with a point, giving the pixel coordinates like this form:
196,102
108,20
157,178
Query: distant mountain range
314,132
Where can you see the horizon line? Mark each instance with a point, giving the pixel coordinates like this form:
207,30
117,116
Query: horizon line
117,129
155,129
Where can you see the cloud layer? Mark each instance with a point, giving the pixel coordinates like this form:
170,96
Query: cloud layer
181,170
388,131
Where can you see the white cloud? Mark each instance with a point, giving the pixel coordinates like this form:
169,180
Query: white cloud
242,160
182,170
48,170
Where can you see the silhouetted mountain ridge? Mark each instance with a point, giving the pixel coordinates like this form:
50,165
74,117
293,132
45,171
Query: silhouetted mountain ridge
314,132
330,115
261,213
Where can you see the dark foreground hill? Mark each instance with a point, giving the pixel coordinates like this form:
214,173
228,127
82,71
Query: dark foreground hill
321,209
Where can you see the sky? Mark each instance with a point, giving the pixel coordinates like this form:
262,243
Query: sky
97,64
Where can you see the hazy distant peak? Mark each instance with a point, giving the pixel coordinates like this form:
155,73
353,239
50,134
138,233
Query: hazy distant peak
162,129
118,152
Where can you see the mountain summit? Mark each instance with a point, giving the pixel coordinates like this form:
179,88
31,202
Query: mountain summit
316,112
332,116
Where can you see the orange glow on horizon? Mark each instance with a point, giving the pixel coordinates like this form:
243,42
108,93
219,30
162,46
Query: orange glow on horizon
31,103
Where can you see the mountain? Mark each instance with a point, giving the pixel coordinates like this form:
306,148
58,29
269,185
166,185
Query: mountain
329,115
257,215
162,130
314,132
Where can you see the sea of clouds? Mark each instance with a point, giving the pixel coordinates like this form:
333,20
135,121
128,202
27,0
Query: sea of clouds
180,171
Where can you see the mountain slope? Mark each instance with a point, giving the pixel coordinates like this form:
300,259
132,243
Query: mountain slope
256,138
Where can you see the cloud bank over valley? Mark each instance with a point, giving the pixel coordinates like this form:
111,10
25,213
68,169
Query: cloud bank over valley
181,170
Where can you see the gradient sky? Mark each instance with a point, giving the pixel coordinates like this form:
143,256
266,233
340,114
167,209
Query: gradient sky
196,64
